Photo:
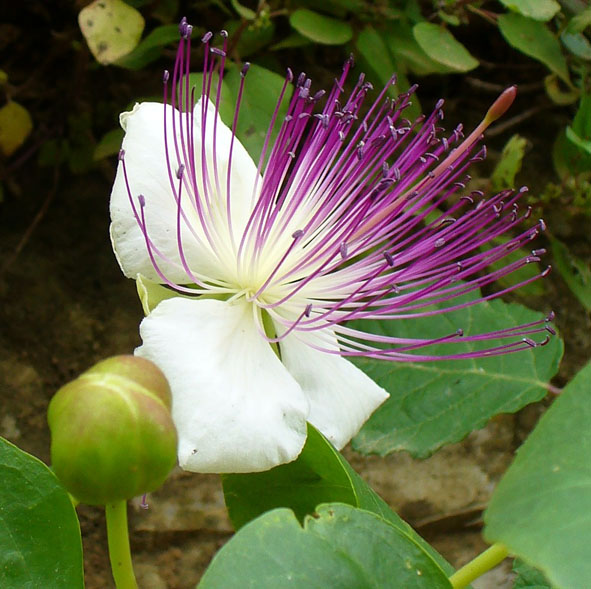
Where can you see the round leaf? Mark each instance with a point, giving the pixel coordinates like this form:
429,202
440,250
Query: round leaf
540,510
111,28
40,544
441,46
320,28
15,126
438,403
319,475
534,39
340,547
538,9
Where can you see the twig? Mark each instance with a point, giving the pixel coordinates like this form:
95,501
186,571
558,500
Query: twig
508,123
31,228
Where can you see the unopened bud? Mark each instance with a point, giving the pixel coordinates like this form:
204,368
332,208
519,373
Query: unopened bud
112,435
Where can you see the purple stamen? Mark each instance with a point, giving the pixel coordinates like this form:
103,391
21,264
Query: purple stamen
366,188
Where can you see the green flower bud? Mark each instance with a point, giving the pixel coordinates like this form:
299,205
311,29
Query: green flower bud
112,435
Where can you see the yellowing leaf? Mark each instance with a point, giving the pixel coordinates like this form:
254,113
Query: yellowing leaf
15,126
111,28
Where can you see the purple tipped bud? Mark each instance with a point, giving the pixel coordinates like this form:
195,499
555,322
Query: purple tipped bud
297,234
224,34
121,155
180,171
308,310
289,75
217,51
165,76
344,250
142,200
245,69
207,37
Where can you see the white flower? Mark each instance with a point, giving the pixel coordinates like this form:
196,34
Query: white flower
271,262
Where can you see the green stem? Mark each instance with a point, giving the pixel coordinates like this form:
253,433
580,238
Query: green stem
489,559
119,552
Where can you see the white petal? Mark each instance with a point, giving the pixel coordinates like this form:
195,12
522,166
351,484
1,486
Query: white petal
341,396
236,407
243,175
147,173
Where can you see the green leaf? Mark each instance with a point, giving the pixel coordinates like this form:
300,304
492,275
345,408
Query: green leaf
109,144
400,40
40,544
441,46
261,92
377,59
320,28
573,270
438,403
540,509
319,475
584,144
581,124
243,11
259,99
111,28
509,165
533,38
528,577
293,40
577,44
542,10
340,547
150,48
568,159
253,38
580,22
15,126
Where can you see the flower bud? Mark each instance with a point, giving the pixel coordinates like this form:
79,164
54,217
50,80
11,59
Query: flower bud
112,435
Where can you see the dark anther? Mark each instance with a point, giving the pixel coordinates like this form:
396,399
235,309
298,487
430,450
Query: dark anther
344,250
459,332
121,154
180,171
207,37
550,329
289,75
165,76
542,225
308,310
297,234
550,317
389,259
245,69
224,34
142,200
539,252
217,51
439,242
546,272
